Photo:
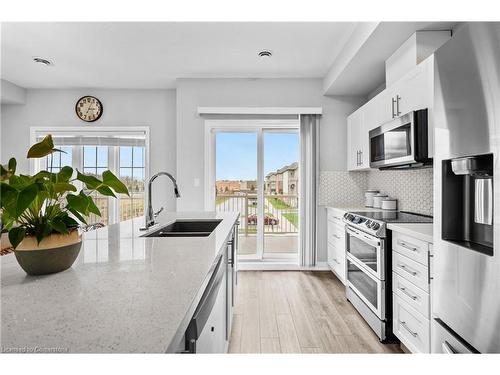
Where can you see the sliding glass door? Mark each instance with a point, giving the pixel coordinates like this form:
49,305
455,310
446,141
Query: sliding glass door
256,173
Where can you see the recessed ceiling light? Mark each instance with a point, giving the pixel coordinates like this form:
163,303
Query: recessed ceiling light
43,61
265,53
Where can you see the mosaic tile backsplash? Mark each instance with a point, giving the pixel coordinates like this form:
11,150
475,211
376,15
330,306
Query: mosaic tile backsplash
412,188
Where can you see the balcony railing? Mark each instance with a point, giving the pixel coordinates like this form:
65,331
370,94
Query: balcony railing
280,211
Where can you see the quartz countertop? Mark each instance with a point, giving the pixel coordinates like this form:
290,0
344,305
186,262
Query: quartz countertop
420,231
125,293
355,208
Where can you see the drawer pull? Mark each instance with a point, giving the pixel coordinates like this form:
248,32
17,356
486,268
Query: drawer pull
406,246
337,237
406,269
407,293
403,324
336,261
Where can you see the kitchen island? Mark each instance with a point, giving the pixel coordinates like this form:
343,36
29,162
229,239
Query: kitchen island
124,294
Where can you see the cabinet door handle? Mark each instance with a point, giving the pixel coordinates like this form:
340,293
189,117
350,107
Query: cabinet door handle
360,157
403,324
406,269
398,98
357,158
393,103
408,294
406,246
336,236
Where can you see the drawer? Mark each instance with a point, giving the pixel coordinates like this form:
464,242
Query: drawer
411,271
410,293
411,247
445,342
335,215
411,327
336,261
336,234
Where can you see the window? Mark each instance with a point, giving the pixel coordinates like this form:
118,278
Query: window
56,161
93,152
132,174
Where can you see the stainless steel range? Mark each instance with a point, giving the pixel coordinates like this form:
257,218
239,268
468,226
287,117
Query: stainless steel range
368,245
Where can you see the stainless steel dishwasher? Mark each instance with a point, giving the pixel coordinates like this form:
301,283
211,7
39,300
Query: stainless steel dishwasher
206,332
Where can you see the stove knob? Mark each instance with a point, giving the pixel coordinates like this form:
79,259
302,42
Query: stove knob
376,226
368,223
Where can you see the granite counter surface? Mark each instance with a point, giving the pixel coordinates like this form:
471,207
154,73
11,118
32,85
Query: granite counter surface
124,294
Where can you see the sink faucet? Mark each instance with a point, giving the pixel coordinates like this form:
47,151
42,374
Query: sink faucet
150,214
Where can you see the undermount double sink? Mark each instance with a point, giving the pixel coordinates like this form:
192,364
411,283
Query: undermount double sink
187,228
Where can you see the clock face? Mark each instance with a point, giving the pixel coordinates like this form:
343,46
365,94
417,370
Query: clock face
88,108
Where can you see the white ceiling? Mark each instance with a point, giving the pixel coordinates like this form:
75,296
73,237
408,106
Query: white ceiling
153,55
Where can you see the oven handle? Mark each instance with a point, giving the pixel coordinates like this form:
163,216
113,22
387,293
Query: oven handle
364,237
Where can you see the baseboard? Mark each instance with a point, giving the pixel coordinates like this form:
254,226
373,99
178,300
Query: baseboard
279,266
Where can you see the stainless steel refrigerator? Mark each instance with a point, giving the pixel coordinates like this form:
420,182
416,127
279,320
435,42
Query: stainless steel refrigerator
466,261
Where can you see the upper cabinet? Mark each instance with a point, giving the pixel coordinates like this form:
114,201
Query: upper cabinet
357,143
412,92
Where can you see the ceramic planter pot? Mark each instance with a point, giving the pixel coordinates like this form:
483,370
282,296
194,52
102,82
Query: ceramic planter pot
55,253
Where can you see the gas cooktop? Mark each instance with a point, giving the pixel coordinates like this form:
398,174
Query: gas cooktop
374,222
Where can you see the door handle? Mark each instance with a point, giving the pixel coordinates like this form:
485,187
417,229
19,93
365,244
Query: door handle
360,157
398,98
406,269
407,293
393,112
405,326
447,348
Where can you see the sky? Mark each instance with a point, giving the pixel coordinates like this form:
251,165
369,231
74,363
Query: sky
236,154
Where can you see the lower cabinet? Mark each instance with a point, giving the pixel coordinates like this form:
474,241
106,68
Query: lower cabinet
336,257
411,327
411,287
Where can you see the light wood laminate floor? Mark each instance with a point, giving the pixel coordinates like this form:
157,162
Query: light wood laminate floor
298,312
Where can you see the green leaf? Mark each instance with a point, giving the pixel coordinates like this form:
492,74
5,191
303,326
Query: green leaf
16,235
64,174
12,165
41,175
69,221
91,182
112,181
91,206
61,187
43,148
78,203
59,225
25,198
77,215
104,190
20,182
8,195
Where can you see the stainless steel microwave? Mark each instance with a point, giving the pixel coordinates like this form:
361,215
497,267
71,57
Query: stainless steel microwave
401,143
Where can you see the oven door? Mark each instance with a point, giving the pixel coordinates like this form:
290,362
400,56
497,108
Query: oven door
367,250
392,143
367,287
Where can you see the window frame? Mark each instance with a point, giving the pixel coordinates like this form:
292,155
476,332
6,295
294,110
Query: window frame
113,154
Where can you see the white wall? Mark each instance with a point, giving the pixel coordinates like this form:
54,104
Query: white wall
11,94
192,93
153,108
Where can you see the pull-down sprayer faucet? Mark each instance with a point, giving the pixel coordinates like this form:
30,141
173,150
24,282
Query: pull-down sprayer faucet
150,214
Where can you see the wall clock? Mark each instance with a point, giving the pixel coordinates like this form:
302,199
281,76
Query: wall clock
88,109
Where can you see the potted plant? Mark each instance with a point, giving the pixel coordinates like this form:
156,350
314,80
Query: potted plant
42,213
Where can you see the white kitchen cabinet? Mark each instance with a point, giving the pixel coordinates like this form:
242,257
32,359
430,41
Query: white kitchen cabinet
357,142
336,257
411,291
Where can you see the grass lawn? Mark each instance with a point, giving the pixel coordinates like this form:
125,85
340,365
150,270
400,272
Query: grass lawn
293,218
278,203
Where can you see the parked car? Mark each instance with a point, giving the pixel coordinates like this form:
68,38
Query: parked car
268,220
